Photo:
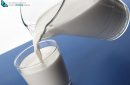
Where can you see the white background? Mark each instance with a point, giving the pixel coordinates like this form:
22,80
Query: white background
12,31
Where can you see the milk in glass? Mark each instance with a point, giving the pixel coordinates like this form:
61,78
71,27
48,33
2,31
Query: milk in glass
52,72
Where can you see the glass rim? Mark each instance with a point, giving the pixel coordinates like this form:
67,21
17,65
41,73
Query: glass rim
29,47
122,31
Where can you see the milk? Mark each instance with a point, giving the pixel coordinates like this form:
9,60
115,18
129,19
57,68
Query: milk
103,19
52,72
45,66
41,29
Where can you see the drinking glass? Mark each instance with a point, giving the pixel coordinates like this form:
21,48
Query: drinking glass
51,72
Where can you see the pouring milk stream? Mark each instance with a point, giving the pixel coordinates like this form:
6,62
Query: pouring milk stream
103,19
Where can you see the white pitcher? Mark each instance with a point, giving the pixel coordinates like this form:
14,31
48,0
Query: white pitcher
104,19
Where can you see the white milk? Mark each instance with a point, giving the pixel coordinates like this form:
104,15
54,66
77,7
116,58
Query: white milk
104,19
52,72
40,29
44,67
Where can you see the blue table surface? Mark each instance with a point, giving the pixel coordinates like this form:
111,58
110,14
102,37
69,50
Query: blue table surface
88,61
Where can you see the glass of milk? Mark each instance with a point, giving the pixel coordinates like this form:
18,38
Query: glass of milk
51,72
